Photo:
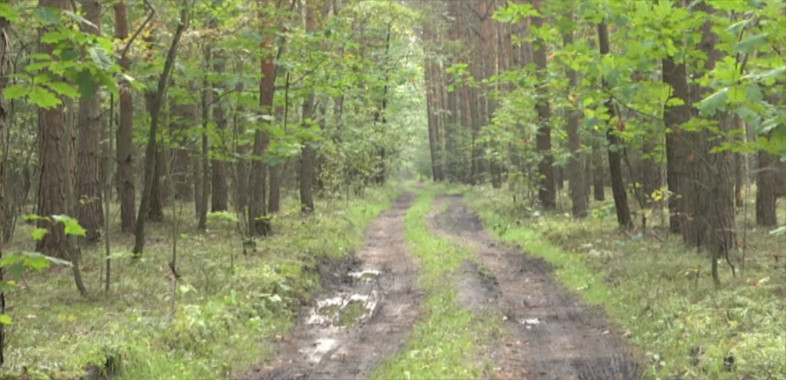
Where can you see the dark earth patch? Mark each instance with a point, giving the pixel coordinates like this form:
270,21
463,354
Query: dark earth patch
367,309
549,335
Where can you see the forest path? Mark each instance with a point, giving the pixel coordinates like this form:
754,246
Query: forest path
548,335
366,311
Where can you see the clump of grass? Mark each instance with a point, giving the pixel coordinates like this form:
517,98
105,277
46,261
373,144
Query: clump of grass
659,293
225,319
447,342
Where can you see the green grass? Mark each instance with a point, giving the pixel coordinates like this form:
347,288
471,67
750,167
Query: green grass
660,294
448,341
225,320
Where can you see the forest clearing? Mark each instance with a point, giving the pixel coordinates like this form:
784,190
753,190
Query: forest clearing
393,189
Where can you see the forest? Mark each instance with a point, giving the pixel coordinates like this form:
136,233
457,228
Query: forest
428,189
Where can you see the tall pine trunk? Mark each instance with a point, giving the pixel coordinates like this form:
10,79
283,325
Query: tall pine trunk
675,74
89,208
575,165
615,146
546,189
126,189
54,181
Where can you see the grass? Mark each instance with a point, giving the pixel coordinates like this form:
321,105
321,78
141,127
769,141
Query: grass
658,293
224,321
447,342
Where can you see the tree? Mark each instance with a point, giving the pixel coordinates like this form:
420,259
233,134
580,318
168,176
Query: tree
615,144
125,148
89,210
53,149
546,191
5,65
258,223
578,196
152,148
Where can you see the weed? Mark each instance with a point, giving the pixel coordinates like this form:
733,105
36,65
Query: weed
660,294
224,320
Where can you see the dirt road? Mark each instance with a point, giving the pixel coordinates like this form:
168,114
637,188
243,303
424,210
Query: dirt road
371,303
364,315
549,334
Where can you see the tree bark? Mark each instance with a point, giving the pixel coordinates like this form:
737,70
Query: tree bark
675,74
615,146
258,223
125,149
5,65
546,189
219,200
89,208
152,149
710,194
766,195
54,181
575,165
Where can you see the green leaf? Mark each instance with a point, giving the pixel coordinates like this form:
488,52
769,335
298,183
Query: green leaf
86,83
9,13
79,19
38,234
72,226
63,88
47,15
16,91
5,319
99,57
752,43
711,104
43,97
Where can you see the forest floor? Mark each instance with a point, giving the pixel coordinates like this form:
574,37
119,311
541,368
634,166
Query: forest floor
542,331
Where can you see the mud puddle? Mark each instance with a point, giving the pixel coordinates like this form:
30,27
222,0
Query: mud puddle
364,314
549,334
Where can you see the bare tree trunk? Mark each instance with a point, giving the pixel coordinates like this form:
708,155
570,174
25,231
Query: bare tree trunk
54,181
766,196
575,165
183,116
219,200
89,210
546,190
675,74
615,147
6,45
258,223
125,148
152,149
598,170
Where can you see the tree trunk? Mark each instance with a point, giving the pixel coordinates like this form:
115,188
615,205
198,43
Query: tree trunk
207,100
766,196
598,170
89,210
125,139
54,181
308,155
183,116
156,209
219,200
156,100
615,146
575,166
546,189
710,196
258,223
676,75
6,46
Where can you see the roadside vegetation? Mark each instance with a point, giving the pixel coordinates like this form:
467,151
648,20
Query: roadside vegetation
225,318
659,293
448,341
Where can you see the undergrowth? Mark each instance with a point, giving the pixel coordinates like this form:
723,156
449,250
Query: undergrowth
660,294
447,341
225,318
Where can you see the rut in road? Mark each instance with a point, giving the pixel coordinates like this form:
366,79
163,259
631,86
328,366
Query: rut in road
365,313
549,334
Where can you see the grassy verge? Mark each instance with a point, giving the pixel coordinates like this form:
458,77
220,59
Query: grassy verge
660,294
447,342
224,319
